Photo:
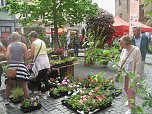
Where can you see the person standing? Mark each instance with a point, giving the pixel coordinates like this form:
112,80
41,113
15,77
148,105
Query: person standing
142,42
130,61
16,55
76,42
2,53
41,64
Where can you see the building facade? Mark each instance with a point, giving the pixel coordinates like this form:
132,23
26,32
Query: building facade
122,9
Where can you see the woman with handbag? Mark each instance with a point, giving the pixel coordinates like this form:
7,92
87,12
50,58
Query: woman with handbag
16,55
41,62
130,61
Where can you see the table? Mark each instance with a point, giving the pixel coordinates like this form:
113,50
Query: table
65,70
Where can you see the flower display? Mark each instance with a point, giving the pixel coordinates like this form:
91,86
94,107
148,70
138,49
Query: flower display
58,51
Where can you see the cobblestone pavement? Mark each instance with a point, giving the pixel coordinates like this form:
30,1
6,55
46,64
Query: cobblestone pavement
54,106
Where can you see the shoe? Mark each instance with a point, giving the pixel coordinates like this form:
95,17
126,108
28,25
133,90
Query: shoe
6,102
38,93
128,111
44,96
126,103
47,93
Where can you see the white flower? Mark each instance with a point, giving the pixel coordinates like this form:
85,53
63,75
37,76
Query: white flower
74,93
69,92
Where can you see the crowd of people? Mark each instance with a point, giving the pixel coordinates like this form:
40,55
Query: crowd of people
17,56
76,41
132,58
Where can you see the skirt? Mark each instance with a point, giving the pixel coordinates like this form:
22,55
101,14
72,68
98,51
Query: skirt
22,71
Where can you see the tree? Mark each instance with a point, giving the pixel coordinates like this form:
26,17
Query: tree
101,27
52,12
148,2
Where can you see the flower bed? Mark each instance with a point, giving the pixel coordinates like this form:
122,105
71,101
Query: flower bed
31,104
88,101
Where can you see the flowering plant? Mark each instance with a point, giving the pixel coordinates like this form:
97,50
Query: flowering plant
32,102
54,82
88,99
58,51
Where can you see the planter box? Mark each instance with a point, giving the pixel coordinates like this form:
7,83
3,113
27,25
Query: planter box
82,112
60,94
15,101
31,108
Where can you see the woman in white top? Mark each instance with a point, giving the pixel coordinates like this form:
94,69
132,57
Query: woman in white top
41,64
131,64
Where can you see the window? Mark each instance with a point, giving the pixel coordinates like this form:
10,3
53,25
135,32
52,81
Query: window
120,15
2,2
5,29
119,2
127,6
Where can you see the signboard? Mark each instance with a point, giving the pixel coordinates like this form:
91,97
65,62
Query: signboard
134,14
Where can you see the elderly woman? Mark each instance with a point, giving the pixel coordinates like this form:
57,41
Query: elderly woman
130,61
41,62
16,55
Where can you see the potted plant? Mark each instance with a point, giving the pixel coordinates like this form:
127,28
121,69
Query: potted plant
31,104
16,95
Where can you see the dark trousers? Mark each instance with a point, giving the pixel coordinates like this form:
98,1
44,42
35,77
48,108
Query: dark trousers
76,49
1,72
42,76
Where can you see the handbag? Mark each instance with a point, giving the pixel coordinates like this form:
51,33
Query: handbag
11,72
119,71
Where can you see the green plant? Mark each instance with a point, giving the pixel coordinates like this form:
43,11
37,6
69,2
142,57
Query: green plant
31,102
17,93
26,103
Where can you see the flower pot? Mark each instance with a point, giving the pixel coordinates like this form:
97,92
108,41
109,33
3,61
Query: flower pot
31,108
18,100
60,94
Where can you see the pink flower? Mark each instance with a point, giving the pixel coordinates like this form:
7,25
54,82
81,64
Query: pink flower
91,94
82,92
96,88
99,98
81,101
64,83
93,101
88,109
91,91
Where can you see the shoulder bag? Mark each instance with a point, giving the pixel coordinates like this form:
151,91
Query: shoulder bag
119,71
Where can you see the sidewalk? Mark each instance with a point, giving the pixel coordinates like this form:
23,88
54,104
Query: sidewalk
54,106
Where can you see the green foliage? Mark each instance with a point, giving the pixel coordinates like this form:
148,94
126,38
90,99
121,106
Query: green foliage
101,56
147,3
17,93
101,27
26,103
40,31
63,40
56,13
